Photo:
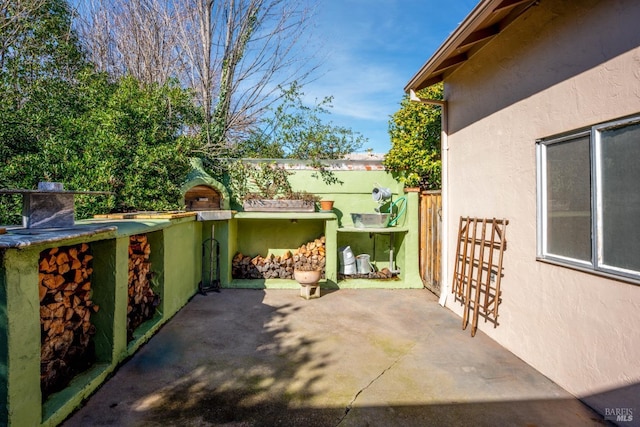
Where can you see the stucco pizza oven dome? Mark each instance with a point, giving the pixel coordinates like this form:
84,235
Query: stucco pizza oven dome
201,192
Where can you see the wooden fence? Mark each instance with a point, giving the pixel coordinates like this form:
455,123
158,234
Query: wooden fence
431,239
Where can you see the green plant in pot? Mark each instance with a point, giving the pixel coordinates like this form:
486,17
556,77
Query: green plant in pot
265,187
308,278
326,205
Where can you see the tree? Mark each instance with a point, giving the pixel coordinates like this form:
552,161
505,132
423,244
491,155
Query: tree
14,19
234,54
250,47
298,131
127,139
415,131
62,121
135,145
137,38
39,59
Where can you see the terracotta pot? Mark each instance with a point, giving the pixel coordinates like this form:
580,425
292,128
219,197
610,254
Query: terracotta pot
307,278
326,205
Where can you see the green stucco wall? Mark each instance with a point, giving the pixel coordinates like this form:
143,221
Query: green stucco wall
274,233
23,337
175,260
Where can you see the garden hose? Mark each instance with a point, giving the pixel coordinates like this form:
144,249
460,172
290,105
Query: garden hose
399,214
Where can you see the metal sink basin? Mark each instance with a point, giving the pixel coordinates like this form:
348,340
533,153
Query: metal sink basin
370,220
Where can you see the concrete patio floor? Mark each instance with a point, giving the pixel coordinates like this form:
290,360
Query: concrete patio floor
349,358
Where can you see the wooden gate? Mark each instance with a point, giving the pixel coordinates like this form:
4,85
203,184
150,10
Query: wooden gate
431,239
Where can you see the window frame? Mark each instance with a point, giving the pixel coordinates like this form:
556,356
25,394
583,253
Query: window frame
596,264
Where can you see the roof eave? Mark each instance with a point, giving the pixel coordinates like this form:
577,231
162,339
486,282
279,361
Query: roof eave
467,38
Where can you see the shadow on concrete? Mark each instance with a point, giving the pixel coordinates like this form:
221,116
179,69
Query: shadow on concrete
349,358
228,411
251,374
619,405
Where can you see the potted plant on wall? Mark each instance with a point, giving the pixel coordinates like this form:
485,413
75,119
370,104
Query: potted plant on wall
265,187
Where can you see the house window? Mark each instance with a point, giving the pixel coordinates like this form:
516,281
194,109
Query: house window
589,198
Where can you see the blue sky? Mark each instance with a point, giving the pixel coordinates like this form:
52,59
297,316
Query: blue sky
371,49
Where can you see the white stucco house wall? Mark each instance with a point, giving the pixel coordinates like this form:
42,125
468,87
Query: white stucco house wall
541,126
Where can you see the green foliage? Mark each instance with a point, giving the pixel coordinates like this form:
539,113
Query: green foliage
39,58
136,137
127,141
61,121
39,62
293,130
298,131
265,180
415,141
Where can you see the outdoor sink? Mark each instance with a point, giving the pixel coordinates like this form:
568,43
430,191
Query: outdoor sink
370,220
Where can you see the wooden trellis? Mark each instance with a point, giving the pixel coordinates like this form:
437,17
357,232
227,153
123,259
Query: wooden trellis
478,268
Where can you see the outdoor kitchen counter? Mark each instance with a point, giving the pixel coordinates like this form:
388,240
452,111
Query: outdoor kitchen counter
286,215
174,263
19,237
377,230
130,227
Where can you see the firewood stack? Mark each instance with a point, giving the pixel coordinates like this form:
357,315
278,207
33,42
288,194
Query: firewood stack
65,315
309,256
142,299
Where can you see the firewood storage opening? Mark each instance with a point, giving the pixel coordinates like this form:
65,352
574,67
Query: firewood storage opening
266,247
143,294
66,310
310,255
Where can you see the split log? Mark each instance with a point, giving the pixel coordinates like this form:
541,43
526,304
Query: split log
65,323
308,256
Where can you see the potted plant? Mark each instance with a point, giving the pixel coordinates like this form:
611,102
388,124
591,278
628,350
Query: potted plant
326,205
265,187
308,278
290,202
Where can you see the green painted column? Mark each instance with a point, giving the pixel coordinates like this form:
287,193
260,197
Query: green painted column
121,299
331,256
108,291
23,396
411,243
182,265
231,247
